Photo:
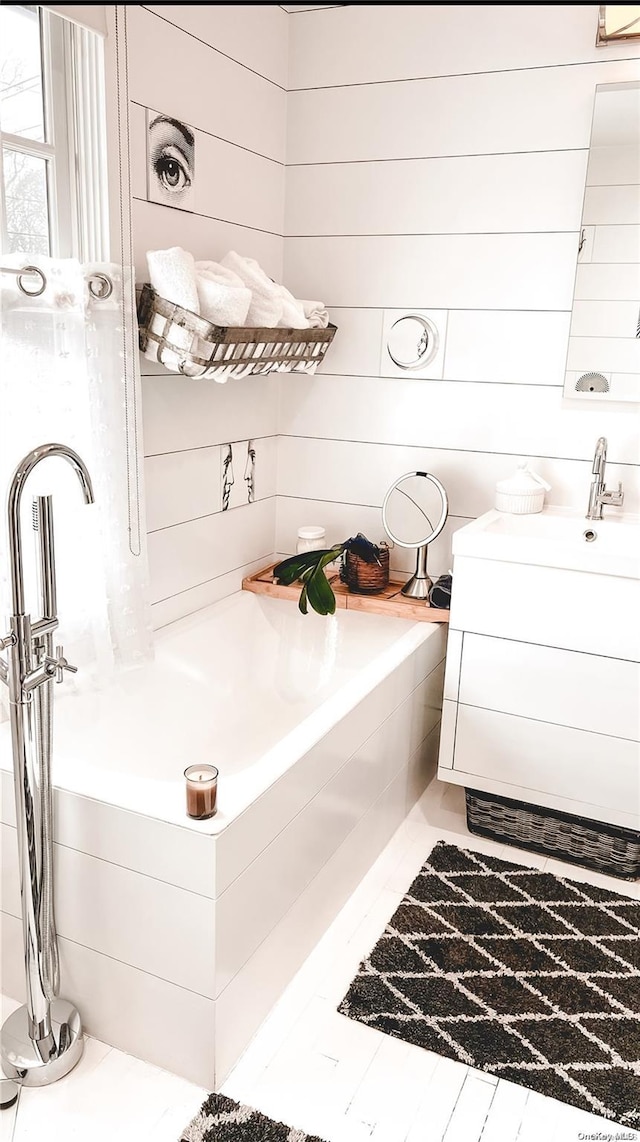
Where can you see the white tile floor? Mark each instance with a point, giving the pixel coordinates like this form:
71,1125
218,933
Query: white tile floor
312,1068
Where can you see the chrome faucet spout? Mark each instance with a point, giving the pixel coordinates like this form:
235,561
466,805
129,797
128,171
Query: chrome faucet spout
18,481
600,457
598,493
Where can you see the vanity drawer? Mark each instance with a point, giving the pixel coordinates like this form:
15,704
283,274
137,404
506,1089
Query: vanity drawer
536,757
566,687
571,609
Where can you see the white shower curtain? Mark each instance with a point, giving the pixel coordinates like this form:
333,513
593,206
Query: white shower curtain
62,380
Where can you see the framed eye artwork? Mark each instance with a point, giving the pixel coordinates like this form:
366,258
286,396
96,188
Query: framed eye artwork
171,147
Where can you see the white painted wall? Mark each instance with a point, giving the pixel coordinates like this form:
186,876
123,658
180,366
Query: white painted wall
90,16
223,70
436,159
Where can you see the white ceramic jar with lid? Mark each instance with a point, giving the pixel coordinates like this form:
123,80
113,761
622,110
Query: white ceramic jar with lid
310,539
522,493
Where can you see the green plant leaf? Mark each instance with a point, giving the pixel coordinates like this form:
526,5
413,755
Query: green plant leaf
320,593
293,568
330,555
302,601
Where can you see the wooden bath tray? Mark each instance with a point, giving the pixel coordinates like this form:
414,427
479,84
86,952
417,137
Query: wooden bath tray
387,602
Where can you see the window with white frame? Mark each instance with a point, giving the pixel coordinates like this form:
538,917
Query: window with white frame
51,114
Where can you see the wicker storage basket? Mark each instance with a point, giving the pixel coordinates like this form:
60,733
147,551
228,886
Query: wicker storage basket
365,578
579,840
186,343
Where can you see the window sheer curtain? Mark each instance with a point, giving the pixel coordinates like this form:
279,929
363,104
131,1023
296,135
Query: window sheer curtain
63,380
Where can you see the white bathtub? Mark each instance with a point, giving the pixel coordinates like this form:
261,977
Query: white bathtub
177,936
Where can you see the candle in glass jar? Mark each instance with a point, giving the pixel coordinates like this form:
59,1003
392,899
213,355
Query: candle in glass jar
202,790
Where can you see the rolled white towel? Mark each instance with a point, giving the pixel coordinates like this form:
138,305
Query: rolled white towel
224,300
222,273
293,315
316,314
172,274
266,297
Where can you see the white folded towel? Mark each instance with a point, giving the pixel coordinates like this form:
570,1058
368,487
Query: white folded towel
172,274
266,297
224,299
293,315
316,314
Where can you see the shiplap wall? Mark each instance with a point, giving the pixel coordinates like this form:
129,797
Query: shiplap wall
436,159
223,70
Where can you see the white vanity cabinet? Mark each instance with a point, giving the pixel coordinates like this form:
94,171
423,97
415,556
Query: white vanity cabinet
542,682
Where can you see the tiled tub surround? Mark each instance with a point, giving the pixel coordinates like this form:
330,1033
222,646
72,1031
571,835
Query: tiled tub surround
176,937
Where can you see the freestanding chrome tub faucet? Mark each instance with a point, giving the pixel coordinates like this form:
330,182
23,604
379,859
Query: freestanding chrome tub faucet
41,1041
598,494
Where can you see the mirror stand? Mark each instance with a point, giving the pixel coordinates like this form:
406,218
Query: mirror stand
414,512
419,584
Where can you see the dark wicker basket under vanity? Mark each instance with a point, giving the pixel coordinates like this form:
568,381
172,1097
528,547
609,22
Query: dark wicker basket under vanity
594,844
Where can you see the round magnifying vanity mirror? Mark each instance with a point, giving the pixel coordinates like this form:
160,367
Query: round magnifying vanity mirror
414,513
412,341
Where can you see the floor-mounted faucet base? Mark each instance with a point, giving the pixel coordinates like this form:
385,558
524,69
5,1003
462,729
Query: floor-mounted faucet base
21,1058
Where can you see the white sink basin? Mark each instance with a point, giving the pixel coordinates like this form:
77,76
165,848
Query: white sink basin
556,537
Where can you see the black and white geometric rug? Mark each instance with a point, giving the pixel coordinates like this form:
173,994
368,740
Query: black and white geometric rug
514,971
221,1119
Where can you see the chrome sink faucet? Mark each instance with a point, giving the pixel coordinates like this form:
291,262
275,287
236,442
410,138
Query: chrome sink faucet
598,494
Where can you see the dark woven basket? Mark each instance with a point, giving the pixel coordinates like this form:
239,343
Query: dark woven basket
366,578
579,840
